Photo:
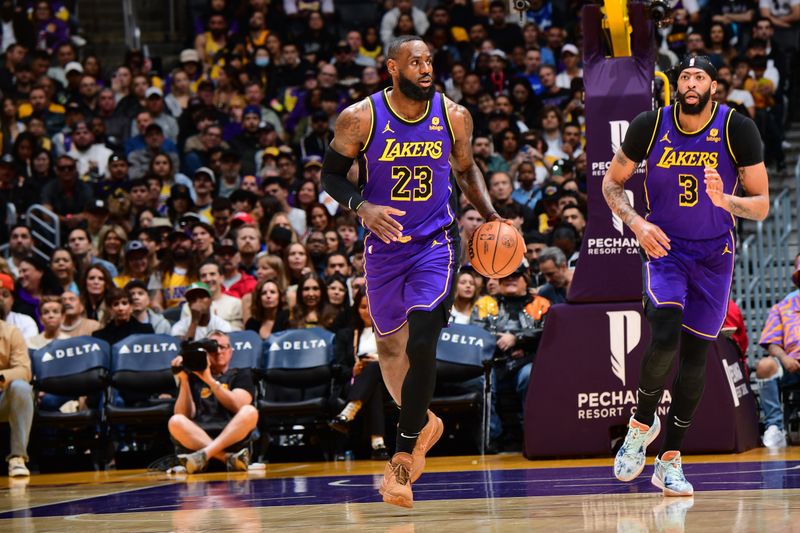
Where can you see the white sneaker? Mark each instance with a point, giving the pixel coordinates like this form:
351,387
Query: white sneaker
774,437
629,462
17,468
668,476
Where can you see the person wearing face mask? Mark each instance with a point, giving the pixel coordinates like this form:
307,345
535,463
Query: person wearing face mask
121,323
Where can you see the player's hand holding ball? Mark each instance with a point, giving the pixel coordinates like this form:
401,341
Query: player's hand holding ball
378,219
496,248
651,238
713,183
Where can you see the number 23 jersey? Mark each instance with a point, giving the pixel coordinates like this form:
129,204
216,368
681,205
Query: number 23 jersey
674,187
407,165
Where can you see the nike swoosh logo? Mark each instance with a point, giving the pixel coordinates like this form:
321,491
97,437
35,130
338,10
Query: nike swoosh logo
408,436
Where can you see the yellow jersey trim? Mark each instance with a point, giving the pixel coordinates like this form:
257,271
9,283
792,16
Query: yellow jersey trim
678,124
371,124
653,136
728,138
396,115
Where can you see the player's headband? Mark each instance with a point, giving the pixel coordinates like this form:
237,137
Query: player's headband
701,62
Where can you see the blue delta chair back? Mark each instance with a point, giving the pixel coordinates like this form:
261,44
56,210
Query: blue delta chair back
297,369
463,354
72,367
141,363
140,371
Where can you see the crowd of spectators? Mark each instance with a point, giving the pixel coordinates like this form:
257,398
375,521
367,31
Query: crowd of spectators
189,198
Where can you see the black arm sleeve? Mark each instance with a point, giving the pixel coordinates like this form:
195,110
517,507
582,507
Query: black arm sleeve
637,138
334,180
745,140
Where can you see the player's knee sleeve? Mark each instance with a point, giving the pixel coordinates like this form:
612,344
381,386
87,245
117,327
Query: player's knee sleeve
665,326
423,336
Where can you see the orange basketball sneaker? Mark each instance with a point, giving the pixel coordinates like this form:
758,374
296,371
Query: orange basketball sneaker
396,484
429,436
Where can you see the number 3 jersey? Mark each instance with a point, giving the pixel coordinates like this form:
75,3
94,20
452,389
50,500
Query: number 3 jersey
674,186
406,165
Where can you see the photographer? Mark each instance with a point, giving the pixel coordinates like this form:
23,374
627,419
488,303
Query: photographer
214,411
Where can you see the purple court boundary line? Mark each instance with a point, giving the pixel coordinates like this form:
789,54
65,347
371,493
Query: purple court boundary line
516,483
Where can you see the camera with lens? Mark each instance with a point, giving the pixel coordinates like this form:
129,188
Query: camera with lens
659,10
520,5
195,355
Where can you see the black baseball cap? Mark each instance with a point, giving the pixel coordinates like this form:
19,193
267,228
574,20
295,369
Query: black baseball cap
135,284
225,246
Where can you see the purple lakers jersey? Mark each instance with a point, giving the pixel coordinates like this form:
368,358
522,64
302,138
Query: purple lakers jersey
407,165
674,187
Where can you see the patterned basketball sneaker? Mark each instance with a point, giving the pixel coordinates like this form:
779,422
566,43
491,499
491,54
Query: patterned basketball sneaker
429,436
630,459
668,475
396,484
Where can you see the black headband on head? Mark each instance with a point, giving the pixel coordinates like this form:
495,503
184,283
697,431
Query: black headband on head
701,62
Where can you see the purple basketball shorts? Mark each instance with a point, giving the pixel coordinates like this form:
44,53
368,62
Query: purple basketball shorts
695,276
412,276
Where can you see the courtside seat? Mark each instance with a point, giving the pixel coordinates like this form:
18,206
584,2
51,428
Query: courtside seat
71,368
140,372
297,375
463,355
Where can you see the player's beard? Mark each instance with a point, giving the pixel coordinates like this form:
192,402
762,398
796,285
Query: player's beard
694,109
413,91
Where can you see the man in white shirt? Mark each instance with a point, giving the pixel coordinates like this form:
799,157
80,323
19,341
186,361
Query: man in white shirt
389,20
92,158
226,307
201,320
571,58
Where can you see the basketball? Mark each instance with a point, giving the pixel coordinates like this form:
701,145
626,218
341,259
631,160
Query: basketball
496,249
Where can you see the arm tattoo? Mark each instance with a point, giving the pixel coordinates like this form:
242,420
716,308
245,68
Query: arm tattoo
473,185
614,194
742,207
750,207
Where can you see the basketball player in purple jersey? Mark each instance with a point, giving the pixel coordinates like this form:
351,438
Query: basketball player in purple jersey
407,139
696,152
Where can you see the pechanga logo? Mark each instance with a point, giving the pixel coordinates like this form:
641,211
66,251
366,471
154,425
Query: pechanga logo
618,130
298,345
625,332
156,347
435,126
394,149
72,351
713,136
671,158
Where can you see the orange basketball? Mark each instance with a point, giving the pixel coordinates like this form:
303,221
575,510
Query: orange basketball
496,249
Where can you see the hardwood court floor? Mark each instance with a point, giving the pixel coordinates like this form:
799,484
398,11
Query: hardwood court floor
753,491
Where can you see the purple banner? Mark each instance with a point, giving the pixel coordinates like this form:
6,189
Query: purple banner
584,383
617,89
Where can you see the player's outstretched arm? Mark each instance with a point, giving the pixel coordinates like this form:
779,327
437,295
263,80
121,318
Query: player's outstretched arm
468,175
350,133
654,241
